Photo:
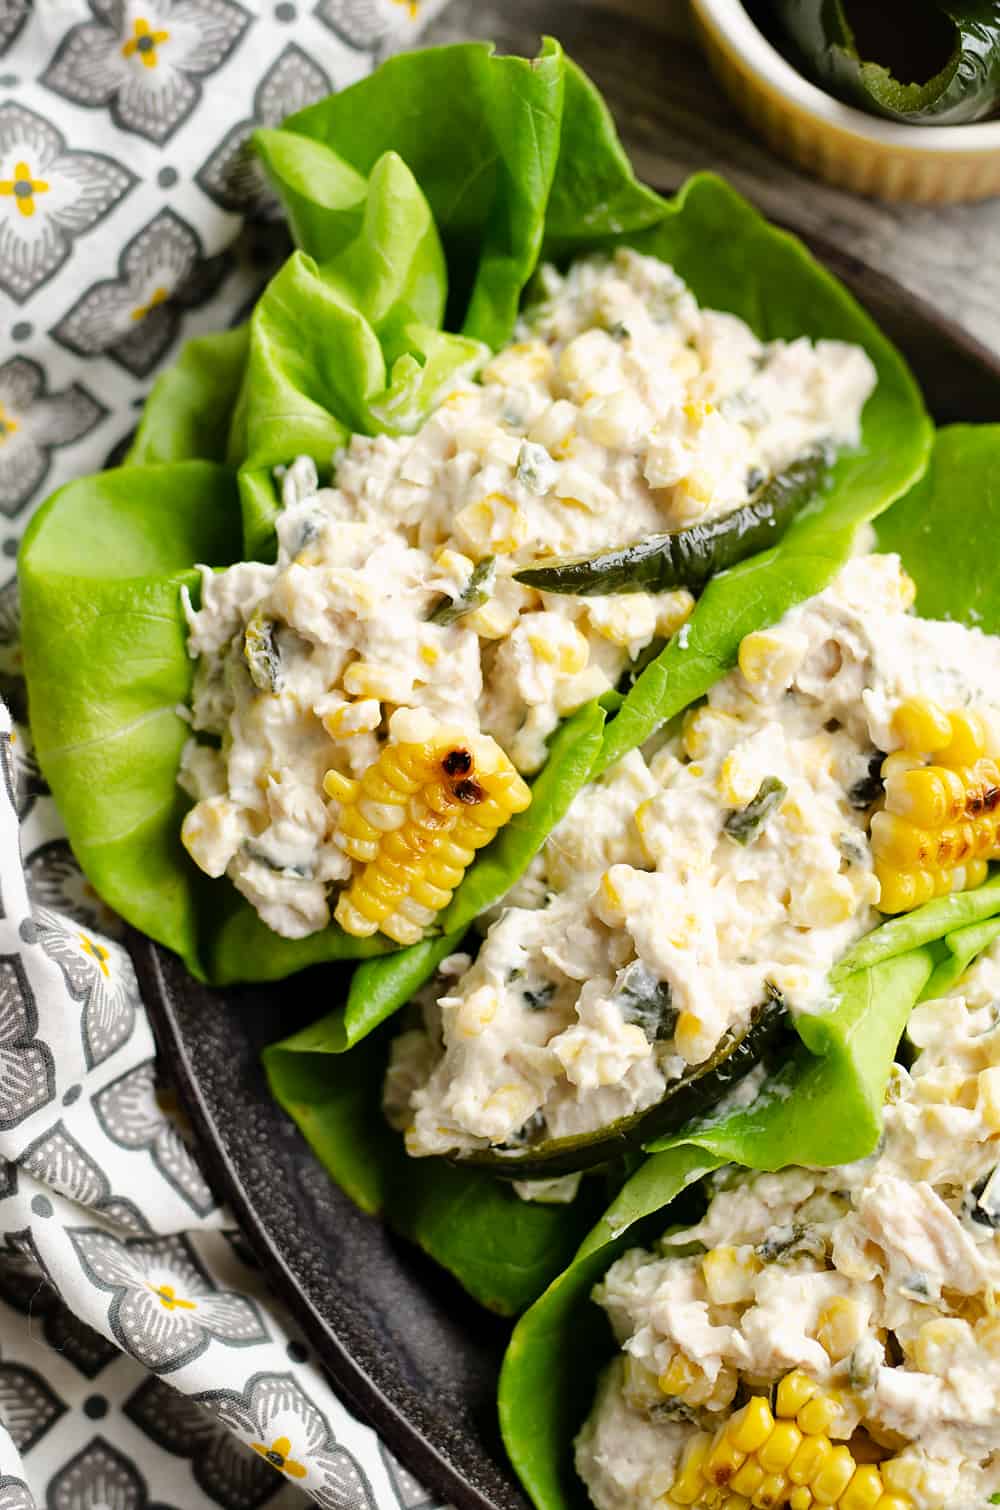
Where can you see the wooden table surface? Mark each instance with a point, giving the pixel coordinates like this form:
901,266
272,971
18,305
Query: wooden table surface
674,118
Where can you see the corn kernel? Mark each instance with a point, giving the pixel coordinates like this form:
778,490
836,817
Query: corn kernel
968,739
384,683
678,1376
748,1479
624,620
864,1491
780,1448
568,651
903,1476
351,719
841,1326
691,1038
825,901
809,1459
988,1098
800,1499
522,362
492,620
729,1274
770,1492
794,1390
834,1477
771,657
476,1012
739,779
493,526
673,609
689,1486
817,1416
921,724
723,1460
750,1428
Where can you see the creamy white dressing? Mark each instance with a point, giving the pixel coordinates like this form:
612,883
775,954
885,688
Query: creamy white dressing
620,409
910,1237
642,888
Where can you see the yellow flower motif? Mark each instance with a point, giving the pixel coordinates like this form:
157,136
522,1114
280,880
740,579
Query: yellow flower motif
8,424
144,41
277,1456
22,188
156,297
97,952
170,1300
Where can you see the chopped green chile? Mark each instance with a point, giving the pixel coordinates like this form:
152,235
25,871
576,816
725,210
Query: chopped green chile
473,595
645,1000
745,823
261,654
689,557
692,1095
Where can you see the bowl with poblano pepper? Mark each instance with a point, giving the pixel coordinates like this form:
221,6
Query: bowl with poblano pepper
548,623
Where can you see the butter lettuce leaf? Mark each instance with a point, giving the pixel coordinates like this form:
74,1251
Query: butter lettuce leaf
503,1250
188,412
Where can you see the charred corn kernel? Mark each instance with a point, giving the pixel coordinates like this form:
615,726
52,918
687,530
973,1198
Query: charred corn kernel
794,1390
493,526
724,1458
678,1376
415,819
385,683
492,620
351,719
941,823
921,724
988,1097
563,647
841,1326
780,1448
771,656
834,1477
729,1274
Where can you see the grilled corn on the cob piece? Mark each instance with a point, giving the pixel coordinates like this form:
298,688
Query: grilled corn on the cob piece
941,821
780,1460
415,820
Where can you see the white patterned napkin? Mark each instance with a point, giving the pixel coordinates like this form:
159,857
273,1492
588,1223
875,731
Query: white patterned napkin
143,1365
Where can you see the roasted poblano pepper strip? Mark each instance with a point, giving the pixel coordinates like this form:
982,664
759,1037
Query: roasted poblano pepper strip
934,62
473,595
688,557
693,1095
745,823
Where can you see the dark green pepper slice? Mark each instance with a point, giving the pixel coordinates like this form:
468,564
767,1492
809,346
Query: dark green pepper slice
687,558
261,653
745,823
473,595
690,1096
927,62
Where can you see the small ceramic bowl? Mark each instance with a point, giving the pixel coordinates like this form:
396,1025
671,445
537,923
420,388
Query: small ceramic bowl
847,147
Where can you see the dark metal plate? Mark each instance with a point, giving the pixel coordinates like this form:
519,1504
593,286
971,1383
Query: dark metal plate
403,1345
